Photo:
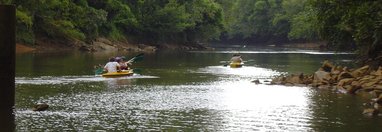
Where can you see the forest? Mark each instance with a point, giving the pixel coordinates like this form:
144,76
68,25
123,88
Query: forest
343,25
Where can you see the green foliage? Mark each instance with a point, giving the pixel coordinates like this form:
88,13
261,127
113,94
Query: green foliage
302,19
344,23
177,21
303,26
24,18
23,27
341,23
207,17
5,1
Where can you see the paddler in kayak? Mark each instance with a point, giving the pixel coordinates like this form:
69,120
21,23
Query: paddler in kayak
122,63
111,66
236,61
236,58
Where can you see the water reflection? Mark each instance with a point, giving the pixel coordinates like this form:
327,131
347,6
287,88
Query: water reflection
245,71
312,52
181,91
228,104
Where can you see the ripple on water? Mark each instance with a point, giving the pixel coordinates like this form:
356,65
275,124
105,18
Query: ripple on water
313,52
217,106
71,79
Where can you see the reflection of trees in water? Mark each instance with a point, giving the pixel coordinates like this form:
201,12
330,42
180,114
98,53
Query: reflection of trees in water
296,63
339,112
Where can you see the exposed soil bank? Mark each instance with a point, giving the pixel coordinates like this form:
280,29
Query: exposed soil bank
20,48
100,45
309,45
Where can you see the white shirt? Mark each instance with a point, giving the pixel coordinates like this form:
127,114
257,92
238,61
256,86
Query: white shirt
111,66
236,59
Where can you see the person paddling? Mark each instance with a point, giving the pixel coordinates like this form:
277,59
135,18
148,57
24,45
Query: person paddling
236,58
122,63
112,66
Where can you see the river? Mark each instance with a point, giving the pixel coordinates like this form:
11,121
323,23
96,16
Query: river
184,91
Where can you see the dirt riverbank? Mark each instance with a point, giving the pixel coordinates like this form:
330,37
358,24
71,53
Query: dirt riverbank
99,45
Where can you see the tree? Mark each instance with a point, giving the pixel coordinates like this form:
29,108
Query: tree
348,23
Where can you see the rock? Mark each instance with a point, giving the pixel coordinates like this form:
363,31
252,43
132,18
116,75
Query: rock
336,70
370,112
327,66
40,107
104,40
379,99
294,79
324,87
341,89
367,89
256,81
147,48
300,85
320,76
378,87
377,106
346,81
345,69
376,93
344,75
355,83
278,80
99,46
360,71
352,89
369,84
378,72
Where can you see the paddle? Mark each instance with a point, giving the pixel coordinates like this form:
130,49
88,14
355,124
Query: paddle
98,70
136,58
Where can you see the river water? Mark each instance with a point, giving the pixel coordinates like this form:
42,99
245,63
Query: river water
183,91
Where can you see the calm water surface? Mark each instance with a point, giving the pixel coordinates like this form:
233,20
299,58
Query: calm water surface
183,91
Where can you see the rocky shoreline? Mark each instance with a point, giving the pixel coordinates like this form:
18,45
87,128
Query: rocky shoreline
100,45
343,80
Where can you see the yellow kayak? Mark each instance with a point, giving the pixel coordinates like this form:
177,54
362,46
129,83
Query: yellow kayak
236,64
119,74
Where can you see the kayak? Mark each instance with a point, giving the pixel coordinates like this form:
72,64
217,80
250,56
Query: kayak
236,64
119,74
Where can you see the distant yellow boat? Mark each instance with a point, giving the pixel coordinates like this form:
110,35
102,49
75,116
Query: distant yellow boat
236,64
119,74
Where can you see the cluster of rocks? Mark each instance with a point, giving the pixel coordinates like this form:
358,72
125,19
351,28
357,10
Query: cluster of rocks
342,79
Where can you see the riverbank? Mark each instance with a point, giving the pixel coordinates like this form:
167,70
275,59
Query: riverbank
343,80
307,45
100,45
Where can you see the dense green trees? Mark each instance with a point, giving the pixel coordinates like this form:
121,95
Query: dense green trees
343,24
275,21
148,21
347,23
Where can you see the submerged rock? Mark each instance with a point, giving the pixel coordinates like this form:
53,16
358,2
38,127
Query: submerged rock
370,112
40,107
257,81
